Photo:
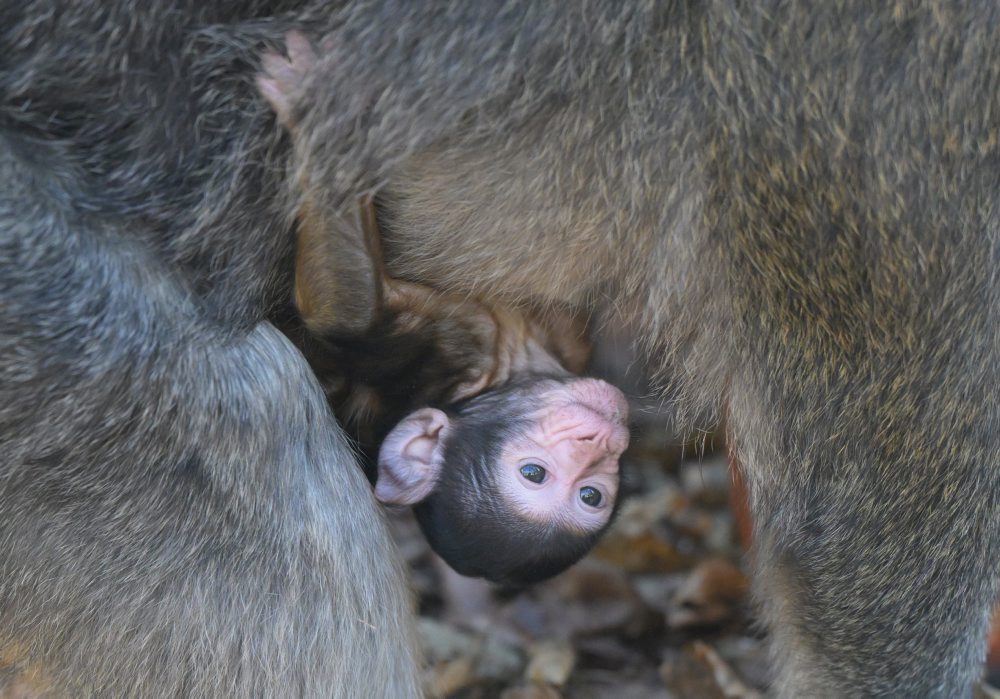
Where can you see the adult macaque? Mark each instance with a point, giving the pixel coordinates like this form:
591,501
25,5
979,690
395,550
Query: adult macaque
795,203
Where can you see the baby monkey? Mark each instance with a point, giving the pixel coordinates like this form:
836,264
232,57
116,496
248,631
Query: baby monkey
510,462
466,412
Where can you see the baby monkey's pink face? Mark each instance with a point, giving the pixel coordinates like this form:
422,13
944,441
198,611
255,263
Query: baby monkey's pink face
557,461
564,467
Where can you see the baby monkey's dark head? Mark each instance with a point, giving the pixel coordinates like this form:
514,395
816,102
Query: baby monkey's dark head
513,485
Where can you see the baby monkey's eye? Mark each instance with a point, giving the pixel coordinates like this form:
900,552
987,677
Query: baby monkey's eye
590,496
533,473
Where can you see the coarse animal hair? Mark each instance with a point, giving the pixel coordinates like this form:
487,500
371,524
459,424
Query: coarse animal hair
793,204
179,513
795,208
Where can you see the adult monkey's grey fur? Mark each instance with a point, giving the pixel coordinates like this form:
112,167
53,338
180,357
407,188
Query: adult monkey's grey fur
179,514
795,202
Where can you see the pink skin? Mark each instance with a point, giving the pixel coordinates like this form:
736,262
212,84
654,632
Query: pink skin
577,434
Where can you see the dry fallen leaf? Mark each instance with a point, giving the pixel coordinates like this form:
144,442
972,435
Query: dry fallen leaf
449,676
589,599
725,677
713,593
551,662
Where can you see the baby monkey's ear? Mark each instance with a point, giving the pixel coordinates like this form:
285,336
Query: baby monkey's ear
410,460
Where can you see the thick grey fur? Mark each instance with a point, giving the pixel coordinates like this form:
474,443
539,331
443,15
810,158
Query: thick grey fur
179,514
796,205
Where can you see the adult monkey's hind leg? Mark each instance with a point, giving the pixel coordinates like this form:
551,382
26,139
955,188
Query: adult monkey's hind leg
875,548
